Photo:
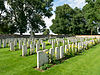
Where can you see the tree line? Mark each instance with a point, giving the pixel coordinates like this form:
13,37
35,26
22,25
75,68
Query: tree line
77,21
24,15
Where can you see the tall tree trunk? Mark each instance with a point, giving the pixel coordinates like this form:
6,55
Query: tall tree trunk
91,31
21,34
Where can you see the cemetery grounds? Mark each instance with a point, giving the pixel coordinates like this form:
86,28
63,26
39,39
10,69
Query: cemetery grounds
85,62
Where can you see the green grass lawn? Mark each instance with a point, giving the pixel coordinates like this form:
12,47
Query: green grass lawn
87,63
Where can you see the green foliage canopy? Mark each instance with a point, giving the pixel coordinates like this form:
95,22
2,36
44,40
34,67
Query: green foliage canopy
27,14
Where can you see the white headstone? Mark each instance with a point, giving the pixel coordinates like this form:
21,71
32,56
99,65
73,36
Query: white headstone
29,42
58,44
43,46
15,42
42,58
57,53
66,49
39,59
61,51
20,44
53,45
78,47
24,50
63,42
37,47
0,43
11,46
4,43
51,52
32,48
46,55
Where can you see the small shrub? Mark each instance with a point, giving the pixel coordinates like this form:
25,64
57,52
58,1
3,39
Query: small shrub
56,62
43,68
48,65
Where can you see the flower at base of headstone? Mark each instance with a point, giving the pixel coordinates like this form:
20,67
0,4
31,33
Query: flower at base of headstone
67,50
47,52
55,52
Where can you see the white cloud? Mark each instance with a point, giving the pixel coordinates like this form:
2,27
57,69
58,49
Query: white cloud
48,21
77,3
58,3
72,3
6,5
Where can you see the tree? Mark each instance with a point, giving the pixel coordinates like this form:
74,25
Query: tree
2,9
2,6
90,16
27,14
68,21
97,12
46,32
76,21
62,22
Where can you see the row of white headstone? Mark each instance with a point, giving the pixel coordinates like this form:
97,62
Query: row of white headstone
58,52
32,44
6,42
